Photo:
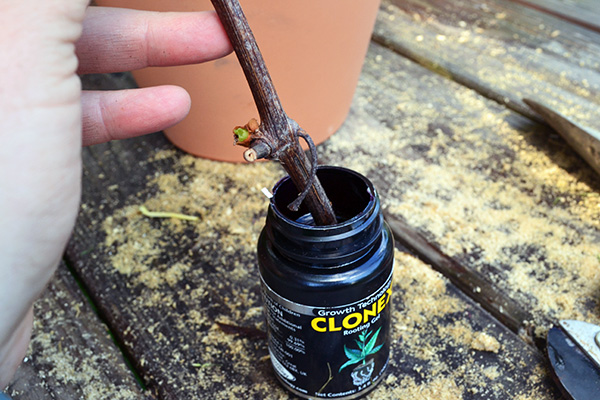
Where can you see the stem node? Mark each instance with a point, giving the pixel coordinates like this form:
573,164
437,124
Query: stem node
278,132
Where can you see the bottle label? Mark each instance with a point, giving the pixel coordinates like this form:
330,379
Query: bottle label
329,352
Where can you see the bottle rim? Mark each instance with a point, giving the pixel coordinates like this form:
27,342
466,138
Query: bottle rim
278,205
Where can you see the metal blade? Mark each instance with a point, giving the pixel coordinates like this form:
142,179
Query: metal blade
585,141
576,373
586,336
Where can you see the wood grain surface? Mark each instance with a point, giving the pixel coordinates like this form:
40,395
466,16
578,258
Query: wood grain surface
71,354
580,12
184,299
502,49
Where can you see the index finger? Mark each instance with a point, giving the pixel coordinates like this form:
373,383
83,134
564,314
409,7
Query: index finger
117,40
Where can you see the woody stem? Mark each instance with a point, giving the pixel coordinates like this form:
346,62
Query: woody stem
280,132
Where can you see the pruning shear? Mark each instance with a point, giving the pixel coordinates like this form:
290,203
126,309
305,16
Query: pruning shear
574,352
584,140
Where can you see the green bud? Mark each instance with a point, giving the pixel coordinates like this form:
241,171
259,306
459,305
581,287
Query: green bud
242,134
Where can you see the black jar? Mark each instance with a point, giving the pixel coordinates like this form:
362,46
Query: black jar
327,289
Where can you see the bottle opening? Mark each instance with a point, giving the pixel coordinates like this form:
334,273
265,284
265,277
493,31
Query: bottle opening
349,192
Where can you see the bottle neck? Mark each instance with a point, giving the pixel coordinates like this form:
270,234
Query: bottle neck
356,204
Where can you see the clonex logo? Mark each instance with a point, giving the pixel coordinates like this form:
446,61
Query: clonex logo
336,321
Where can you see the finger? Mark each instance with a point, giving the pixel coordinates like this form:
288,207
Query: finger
122,114
117,40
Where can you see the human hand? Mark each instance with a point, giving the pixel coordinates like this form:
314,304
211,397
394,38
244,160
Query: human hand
45,118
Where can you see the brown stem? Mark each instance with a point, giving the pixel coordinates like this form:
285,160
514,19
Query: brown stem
277,130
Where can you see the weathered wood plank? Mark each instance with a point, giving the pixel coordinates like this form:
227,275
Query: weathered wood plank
445,348
498,193
164,285
502,49
71,356
582,12
511,314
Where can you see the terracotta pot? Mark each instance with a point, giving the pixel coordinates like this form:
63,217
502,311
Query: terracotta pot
314,50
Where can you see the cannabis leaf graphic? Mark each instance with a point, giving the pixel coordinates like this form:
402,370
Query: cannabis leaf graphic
364,348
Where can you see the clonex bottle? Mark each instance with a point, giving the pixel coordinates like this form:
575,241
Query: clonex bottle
327,289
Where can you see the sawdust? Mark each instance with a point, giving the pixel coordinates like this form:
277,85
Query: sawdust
438,388
216,190
429,327
485,342
485,184
429,332
197,270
